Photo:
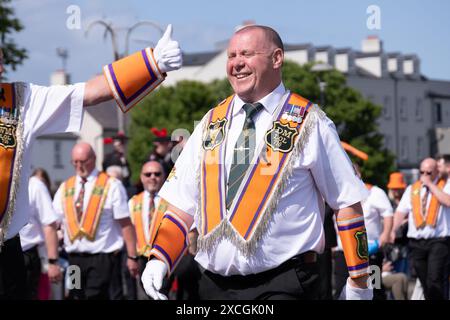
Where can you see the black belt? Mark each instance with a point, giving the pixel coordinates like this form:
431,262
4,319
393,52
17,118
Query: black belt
87,254
298,260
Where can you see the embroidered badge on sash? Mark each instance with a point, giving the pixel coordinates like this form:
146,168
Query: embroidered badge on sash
215,134
7,135
172,174
361,248
281,137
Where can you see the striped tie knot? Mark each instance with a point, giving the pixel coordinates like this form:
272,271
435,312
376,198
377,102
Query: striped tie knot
251,110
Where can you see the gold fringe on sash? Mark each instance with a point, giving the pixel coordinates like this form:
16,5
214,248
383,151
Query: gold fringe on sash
15,183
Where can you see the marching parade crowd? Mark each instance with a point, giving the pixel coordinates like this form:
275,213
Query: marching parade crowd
263,202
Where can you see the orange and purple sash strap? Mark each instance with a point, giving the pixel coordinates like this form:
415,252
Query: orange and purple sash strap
91,217
171,240
133,77
136,218
8,142
143,245
433,209
353,236
262,177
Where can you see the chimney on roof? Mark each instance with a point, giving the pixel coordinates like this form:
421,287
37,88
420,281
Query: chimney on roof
372,44
245,23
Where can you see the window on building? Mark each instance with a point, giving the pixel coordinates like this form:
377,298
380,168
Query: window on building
403,109
387,107
419,109
420,148
404,148
57,155
438,108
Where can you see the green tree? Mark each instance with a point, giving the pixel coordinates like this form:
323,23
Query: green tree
179,106
9,25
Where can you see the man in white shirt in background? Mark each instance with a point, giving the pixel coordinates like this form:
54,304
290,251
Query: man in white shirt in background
427,205
96,220
41,228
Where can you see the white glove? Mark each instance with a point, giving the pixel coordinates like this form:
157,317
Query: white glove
352,293
167,52
152,278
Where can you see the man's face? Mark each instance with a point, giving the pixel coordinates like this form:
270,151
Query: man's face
397,193
429,168
152,176
83,161
162,148
250,65
119,146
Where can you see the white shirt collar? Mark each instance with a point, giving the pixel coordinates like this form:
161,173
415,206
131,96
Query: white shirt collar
270,101
92,176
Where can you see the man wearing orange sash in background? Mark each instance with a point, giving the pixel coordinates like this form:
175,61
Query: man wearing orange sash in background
427,204
143,209
260,221
93,207
28,110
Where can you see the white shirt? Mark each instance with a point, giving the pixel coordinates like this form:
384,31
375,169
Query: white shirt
109,233
144,212
323,170
41,214
443,220
47,110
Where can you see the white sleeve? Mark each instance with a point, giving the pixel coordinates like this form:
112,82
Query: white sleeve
331,168
40,198
181,190
57,203
382,203
55,109
119,199
404,206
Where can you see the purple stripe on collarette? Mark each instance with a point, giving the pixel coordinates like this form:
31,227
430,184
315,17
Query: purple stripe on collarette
164,253
13,107
142,89
204,213
358,267
177,224
351,226
255,166
222,166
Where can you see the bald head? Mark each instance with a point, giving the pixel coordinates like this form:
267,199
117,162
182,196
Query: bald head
428,166
83,159
270,34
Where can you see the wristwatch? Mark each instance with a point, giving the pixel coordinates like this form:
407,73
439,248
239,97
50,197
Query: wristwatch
134,258
52,261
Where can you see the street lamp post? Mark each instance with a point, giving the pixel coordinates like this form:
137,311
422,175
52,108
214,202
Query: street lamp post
319,68
112,31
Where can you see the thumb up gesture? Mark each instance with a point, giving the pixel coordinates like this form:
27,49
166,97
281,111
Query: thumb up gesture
167,52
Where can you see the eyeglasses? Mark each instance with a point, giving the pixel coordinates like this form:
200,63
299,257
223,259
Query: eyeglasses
428,173
149,174
82,162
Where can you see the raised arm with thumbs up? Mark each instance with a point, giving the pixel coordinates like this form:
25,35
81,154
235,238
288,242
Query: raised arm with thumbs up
167,52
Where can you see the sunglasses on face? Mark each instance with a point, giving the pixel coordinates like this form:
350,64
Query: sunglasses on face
428,173
149,174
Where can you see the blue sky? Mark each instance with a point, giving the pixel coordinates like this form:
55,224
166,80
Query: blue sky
420,27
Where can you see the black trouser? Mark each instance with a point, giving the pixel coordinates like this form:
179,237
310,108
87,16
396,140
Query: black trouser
341,274
33,271
325,271
292,280
12,271
96,273
429,258
187,274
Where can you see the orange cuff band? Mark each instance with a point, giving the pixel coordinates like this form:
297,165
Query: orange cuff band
133,77
171,240
354,242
